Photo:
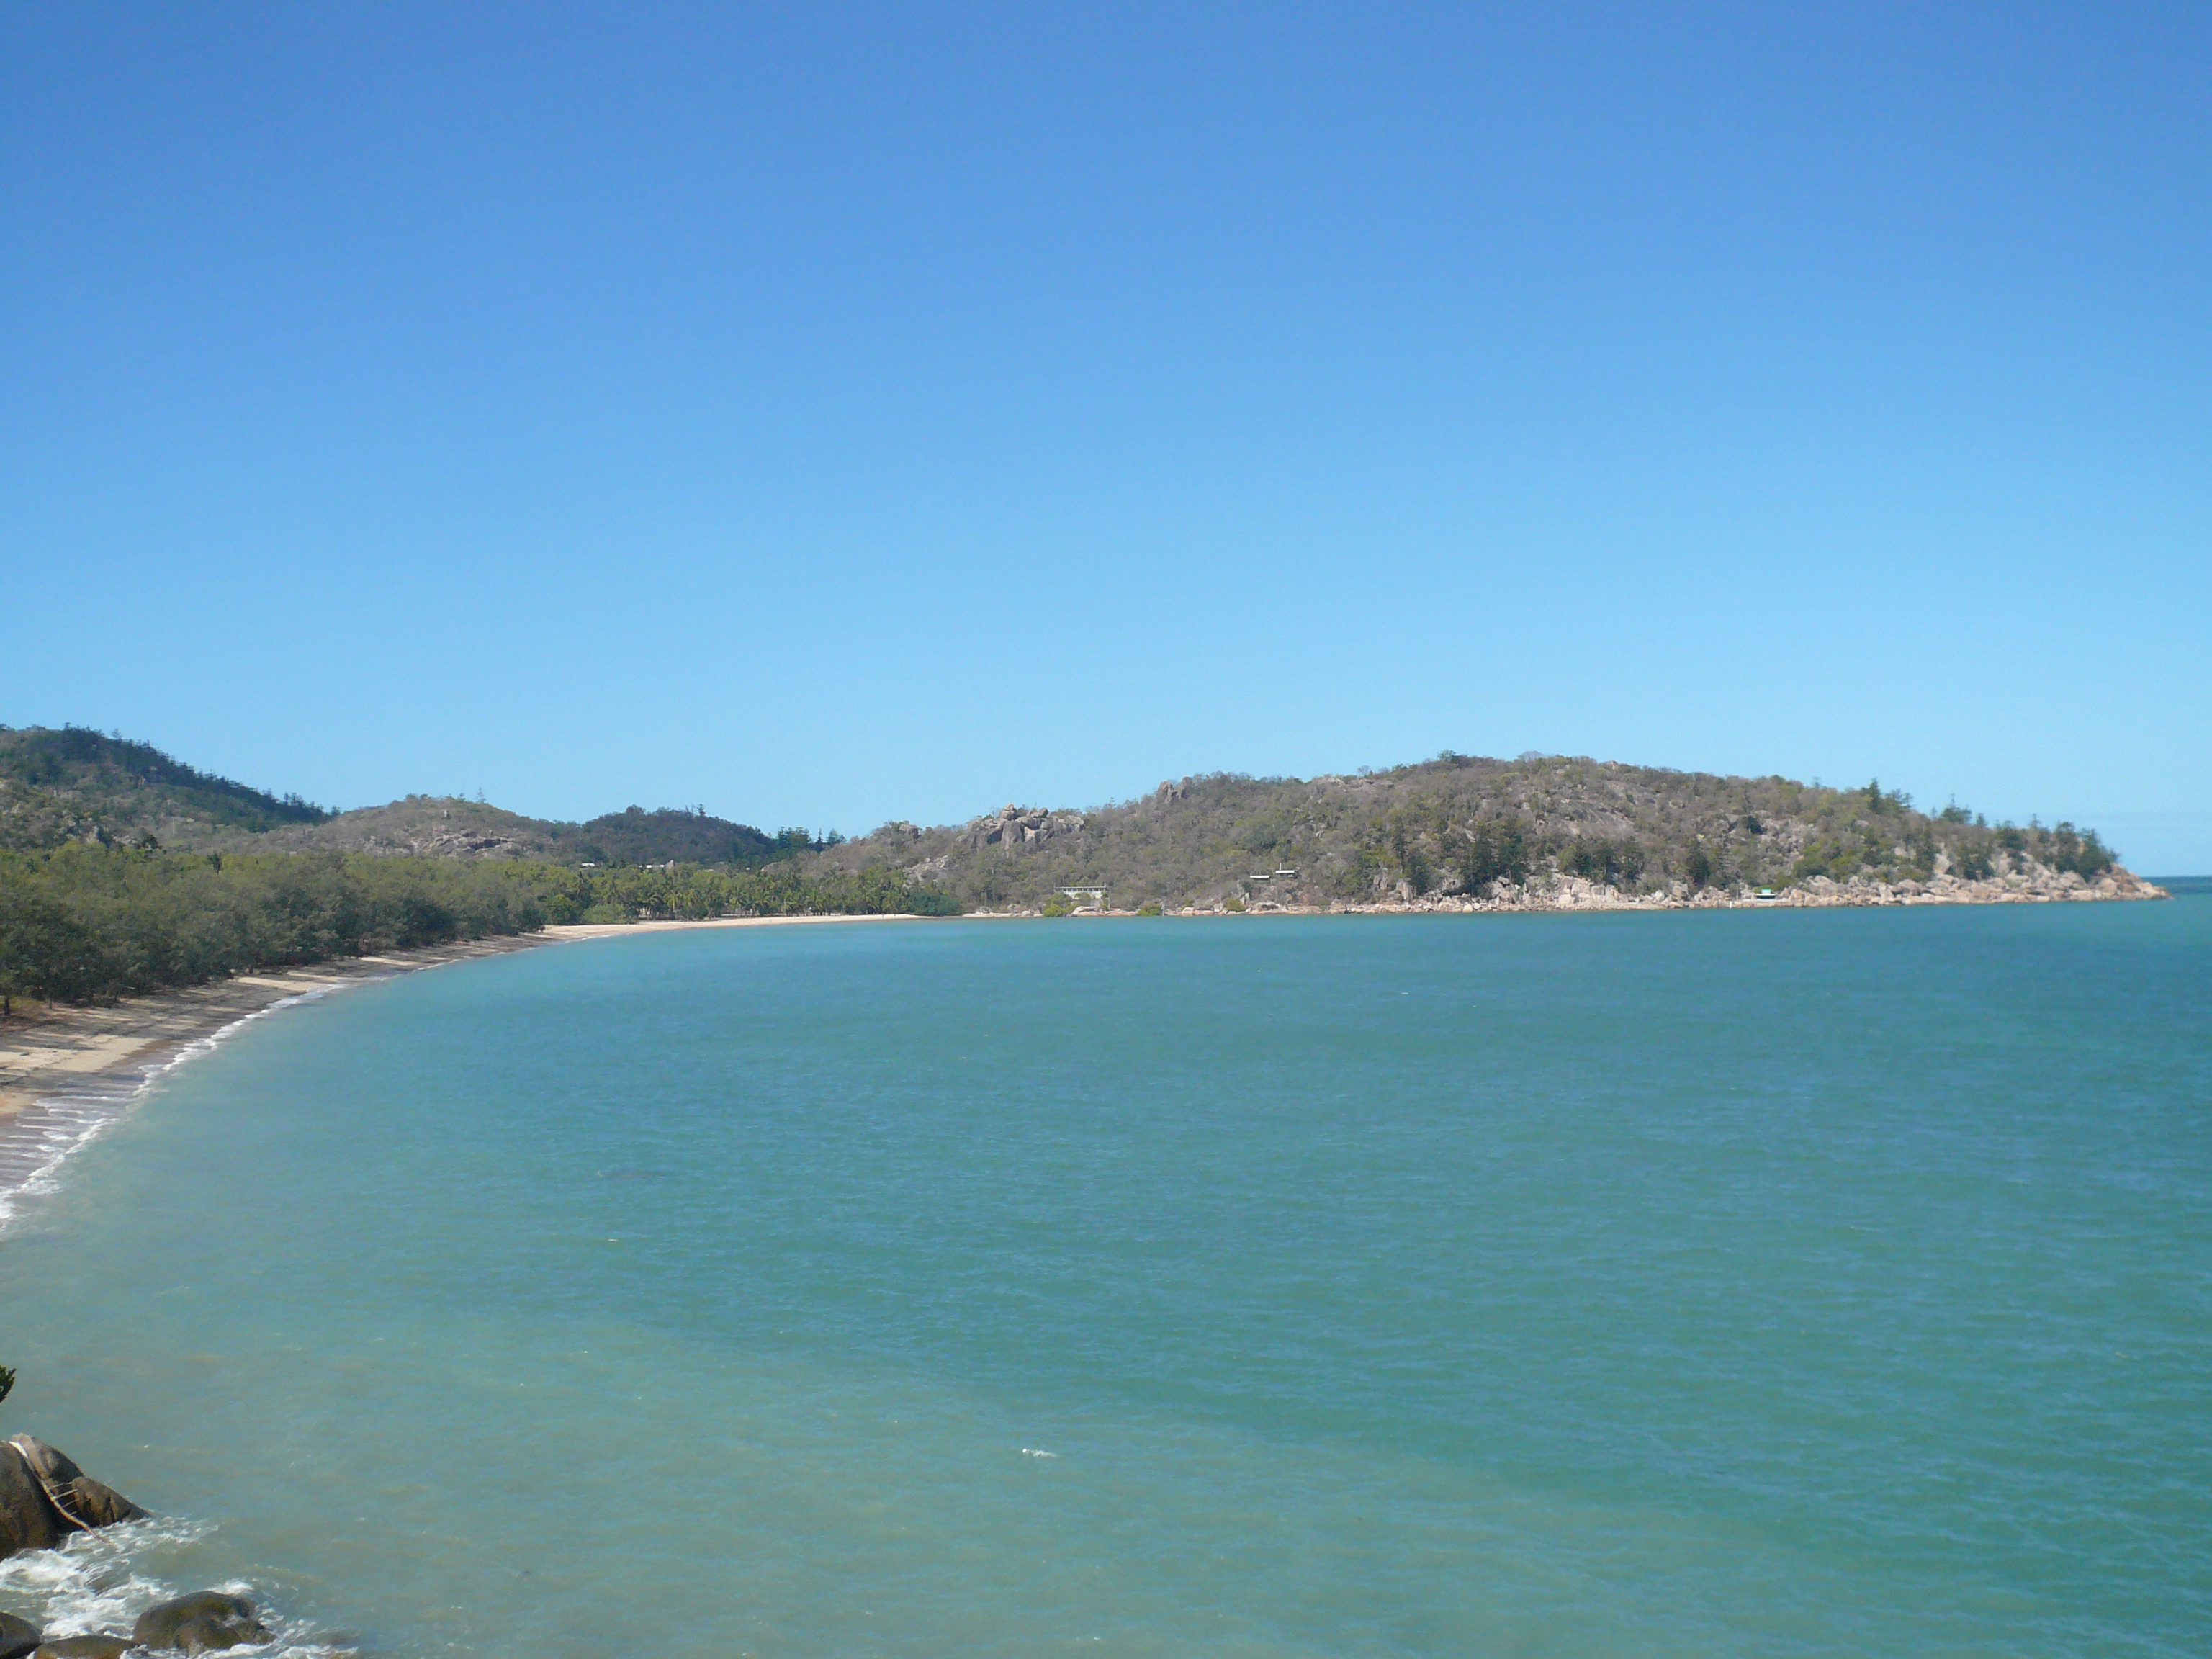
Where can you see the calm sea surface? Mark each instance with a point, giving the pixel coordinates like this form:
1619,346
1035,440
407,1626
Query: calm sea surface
1741,1283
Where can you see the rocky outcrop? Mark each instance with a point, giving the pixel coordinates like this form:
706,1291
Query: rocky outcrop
45,1497
2025,883
2030,884
18,1637
77,1495
1020,826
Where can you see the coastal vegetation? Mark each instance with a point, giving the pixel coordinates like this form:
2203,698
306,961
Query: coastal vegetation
122,870
83,922
1465,826
684,893
80,922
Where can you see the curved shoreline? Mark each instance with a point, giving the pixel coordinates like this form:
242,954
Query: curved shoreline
62,1051
64,1064
65,1072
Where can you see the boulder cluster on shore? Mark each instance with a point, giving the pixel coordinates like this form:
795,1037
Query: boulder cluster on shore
2023,882
45,1499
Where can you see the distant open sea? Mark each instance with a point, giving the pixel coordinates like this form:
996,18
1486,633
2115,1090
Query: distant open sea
1820,1282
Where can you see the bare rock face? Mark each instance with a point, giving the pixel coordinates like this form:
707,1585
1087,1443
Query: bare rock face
1019,826
29,1520
81,1499
206,1621
17,1635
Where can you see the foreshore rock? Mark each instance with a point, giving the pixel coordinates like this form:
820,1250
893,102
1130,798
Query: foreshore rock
206,1621
29,1520
83,1647
45,1497
81,1499
2034,884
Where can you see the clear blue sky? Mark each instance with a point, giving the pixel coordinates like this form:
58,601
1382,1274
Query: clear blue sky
831,413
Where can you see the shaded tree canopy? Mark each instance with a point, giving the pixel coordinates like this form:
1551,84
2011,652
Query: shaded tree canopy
80,923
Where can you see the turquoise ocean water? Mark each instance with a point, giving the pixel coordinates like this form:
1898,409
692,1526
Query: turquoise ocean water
1740,1284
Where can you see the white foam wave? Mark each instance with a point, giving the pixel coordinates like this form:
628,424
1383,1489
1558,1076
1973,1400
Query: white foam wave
99,1582
58,1125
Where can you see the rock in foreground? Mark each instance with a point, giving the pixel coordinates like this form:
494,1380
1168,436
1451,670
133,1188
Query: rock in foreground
206,1621
43,1497
29,1520
77,1495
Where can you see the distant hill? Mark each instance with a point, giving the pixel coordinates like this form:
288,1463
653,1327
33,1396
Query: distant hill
421,826
1538,831
1541,831
448,826
76,784
681,835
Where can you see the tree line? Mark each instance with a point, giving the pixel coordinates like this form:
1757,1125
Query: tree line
82,923
687,893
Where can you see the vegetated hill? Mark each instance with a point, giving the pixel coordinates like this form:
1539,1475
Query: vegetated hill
76,784
1524,831
1539,830
678,835
448,826
421,826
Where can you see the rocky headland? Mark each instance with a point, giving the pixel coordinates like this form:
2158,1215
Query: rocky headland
1460,833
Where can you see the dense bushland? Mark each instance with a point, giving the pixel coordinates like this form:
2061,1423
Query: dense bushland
692,894
82,922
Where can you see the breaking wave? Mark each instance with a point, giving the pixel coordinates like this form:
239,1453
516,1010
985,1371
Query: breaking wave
99,1582
46,1133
